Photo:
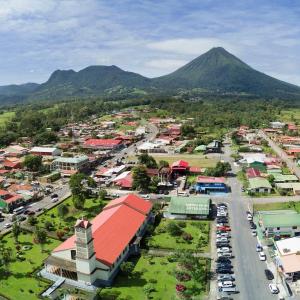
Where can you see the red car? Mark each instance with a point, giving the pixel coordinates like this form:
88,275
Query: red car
224,228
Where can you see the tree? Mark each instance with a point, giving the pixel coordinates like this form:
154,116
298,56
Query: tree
173,229
62,210
46,137
40,237
188,130
163,163
32,220
141,179
6,257
127,267
78,201
16,230
33,163
147,160
220,169
154,184
102,194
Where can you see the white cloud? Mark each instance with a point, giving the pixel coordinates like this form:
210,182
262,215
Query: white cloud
192,46
165,64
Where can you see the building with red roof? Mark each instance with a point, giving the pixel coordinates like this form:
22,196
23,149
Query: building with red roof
94,253
102,144
252,173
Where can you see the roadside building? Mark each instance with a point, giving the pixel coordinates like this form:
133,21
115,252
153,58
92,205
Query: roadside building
281,223
15,150
214,147
288,258
207,185
289,187
277,125
252,173
93,255
103,144
180,167
79,163
259,185
188,208
124,180
280,178
45,151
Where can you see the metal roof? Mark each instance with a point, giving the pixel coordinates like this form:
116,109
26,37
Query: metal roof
189,205
280,219
257,182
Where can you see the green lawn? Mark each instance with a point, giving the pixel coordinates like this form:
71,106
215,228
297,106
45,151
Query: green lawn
277,206
6,116
290,115
158,268
199,230
92,208
195,160
20,284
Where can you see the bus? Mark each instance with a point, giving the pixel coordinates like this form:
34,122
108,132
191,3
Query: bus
19,210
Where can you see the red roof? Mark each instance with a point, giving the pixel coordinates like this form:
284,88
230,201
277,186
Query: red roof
251,172
132,201
125,182
208,179
196,170
13,199
4,193
102,142
292,127
114,227
295,150
180,164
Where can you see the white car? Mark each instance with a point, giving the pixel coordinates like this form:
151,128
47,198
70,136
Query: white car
223,235
225,254
259,248
7,225
53,200
273,288
262,256
249,217
222,239
254,232
225,284
223,249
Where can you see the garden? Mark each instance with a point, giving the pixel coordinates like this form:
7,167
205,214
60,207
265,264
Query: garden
175,234
61,219
180,275
21,259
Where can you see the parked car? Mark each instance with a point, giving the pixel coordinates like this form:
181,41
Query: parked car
225,254
269,274
252,225
7,225
224,266
259,248
224,271
254,232
222,245
225,228
222,259
223,249
224,284
222,239
273,288
262,256
229,277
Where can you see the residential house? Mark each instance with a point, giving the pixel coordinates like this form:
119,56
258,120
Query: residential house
103,144
77,164
259,185
45,151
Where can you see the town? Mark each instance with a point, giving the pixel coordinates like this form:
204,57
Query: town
131,197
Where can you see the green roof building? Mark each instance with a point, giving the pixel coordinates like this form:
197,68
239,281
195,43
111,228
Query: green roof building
285,178
70,163
285,223
200,148
188,208
259,185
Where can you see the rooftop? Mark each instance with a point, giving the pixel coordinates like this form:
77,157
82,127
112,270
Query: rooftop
72,160
208,179
280,219
189,205
258,182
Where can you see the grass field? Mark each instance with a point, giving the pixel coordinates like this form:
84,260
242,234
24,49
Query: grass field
92,207
195,160
277,206
290,115
6,117
199,230
157,268
21,284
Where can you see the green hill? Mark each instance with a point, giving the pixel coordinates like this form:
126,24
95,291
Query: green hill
216,71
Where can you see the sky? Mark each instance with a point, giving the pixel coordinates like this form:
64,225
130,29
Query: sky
150,37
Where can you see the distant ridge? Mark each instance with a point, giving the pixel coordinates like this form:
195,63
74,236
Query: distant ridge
217,71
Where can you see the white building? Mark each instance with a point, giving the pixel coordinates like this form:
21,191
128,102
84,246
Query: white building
93,255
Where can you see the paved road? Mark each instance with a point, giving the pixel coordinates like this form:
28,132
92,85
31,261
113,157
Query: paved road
251,281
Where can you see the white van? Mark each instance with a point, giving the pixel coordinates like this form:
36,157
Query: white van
228,290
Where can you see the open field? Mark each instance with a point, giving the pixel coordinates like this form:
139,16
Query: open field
199,231
195,160
290,115
6,117
157,268
21,284
277,206
91,208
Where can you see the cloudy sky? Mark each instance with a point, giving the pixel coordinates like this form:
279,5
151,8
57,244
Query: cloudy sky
151,37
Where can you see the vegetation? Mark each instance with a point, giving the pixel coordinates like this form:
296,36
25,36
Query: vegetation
20,282
33,163
147,160
173,234
221,169
294,205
